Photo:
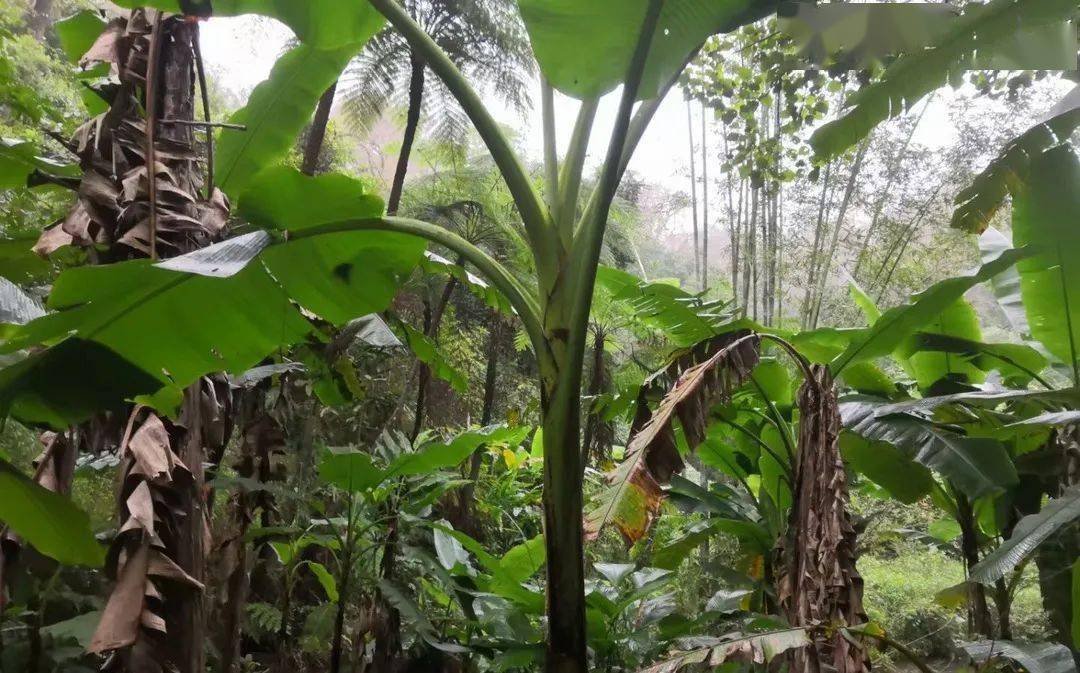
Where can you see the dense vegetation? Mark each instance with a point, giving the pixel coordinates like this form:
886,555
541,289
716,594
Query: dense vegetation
515,416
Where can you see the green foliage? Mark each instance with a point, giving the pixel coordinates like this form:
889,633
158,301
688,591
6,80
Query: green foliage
1050,280
896,324
47,520
585,50
276,112
1029,532
912,76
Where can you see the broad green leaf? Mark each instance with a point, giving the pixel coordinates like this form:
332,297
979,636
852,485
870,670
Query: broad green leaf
19,158
1028,534
438,456
864,302
1017,363
325,24
522,561
899,322
18,263
1033,657
41,389
1006,285
985,28
979,466
449,549
983,398
886,466
47,520
1008,173
957,320
727,600
78,32
614,573
211,310
1045,216
350,470
584,47
944,529
775,381
329,584
428,352
275,114
283,198
671,555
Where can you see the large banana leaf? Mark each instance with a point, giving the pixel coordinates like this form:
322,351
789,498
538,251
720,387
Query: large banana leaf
910,77
979,466
898,323
957,320
584,46
1008,173
1006,285
887,466
1017,363
323,24
20,158
1028,534
137,327
1033,657
276,112
47,520
1045,216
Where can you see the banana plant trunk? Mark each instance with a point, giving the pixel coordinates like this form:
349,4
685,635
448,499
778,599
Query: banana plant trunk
563,529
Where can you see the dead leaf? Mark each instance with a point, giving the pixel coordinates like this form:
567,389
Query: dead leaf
702,377
119,625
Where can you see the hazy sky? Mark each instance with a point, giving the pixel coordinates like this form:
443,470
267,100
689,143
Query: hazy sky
240,52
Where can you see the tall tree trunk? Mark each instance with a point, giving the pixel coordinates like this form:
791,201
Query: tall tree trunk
412,121
886,192
432,321
317,131
476,461
704,203
596,386
979,622
849,190
815,250
693,189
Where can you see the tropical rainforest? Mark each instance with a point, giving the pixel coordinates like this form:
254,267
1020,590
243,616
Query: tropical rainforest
354,370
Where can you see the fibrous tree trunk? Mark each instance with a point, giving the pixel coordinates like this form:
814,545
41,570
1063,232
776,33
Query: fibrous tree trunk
155,615
412,121
817,582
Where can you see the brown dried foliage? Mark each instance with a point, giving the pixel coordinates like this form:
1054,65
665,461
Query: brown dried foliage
817,583
691,385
